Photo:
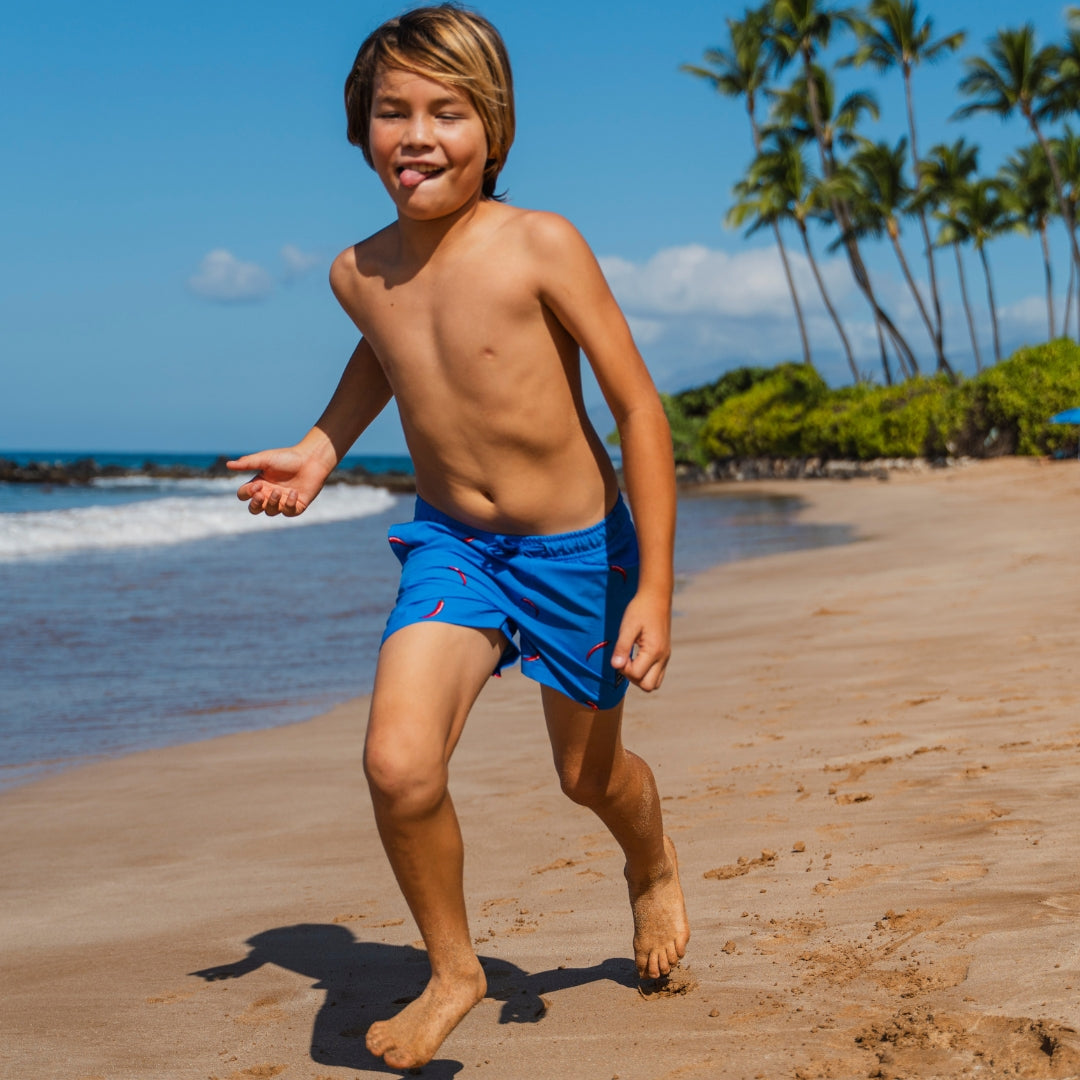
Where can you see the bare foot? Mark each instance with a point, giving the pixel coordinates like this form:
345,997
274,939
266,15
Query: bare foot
413,1037
661,929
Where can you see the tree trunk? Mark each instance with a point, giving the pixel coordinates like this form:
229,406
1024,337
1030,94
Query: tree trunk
884,353
967,307
1059,187
894,236
1068,300
935,294
828,303
756,135
794,297
855,261
990,298
1049,278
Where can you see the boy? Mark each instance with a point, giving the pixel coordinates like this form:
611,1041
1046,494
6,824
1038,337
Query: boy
472,314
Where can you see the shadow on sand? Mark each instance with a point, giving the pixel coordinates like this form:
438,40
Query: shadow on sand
368,981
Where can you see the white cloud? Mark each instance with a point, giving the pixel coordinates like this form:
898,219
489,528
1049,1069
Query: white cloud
225,278
697,280
696,311
297,262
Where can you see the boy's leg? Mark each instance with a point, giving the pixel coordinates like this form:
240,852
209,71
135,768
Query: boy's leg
596,771
427,679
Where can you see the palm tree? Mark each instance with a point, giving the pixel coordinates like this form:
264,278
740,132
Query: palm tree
836,127
764,205
976,212
1066,152
1020,77
899,41
1028,190
873,184
837,121
742,71
800,29
780,181
941,174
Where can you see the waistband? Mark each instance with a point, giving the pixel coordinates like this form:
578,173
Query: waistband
612,530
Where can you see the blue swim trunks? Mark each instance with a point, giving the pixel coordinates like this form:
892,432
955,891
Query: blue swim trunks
562,595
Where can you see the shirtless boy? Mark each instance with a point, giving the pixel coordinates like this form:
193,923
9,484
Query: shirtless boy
473,315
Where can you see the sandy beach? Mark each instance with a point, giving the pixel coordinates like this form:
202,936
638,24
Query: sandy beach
868,754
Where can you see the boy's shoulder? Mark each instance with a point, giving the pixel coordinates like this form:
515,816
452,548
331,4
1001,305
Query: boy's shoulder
367,257
498,222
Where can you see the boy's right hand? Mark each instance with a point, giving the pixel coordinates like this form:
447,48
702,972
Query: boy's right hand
286,482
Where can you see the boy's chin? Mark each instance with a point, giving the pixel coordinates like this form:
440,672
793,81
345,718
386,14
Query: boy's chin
414,205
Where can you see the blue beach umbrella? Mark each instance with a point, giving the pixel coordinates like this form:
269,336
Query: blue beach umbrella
1069,416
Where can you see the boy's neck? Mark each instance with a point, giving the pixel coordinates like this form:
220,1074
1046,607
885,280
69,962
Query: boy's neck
420,239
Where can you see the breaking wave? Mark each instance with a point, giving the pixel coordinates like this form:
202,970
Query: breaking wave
186,510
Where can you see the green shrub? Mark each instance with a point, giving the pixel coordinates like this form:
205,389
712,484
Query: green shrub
699,401
768,418
1006,409
864,422
788,411
686,411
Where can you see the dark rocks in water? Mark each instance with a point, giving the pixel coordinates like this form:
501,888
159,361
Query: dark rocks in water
399,483
86,470
43,472
172,472
218,468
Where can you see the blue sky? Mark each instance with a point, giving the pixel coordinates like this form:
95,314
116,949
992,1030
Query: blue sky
176,182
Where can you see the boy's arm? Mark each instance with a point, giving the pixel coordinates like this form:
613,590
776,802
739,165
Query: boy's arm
573,286
289,478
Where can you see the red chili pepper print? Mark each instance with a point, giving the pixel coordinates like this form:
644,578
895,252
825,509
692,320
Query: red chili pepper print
464,579
435,611
598,645
617,570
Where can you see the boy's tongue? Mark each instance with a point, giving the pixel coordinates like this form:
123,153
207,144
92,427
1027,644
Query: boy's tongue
412,177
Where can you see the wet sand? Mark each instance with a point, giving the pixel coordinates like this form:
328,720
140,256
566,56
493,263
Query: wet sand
869,757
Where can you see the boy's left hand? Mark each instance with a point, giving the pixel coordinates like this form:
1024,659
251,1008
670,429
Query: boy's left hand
646,633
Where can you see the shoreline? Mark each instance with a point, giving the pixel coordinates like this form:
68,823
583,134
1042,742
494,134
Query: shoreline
203,709
866,753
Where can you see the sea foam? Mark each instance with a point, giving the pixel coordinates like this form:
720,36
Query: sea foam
206,508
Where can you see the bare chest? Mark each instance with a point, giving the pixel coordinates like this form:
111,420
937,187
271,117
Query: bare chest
478,320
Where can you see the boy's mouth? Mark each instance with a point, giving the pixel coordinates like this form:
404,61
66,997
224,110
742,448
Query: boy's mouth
413,175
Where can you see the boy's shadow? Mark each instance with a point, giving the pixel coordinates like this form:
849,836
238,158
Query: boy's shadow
367,981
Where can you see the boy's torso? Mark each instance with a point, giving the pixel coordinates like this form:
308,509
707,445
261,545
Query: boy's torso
486,379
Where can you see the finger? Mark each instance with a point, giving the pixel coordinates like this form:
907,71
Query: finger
247,461
624,646
646,670
246,491
289,506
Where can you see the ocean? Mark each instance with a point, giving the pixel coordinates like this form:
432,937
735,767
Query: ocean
139,612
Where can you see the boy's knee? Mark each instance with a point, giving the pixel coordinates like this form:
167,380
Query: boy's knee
412,785
582,786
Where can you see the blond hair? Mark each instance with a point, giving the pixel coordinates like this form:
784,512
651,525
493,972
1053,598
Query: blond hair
448,44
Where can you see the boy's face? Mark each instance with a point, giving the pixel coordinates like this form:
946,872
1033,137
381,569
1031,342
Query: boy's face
427,144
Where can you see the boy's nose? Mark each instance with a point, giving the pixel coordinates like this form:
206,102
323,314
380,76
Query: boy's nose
419,132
